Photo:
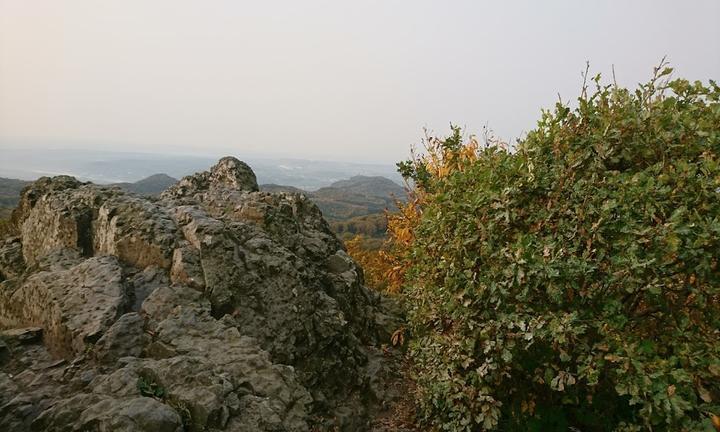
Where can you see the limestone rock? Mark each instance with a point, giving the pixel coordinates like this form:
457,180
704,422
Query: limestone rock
135,230
52,225
229,173
36,190
59,213
234,174
12,263
74,306
123,338
93,412
214,307
17,336
187,267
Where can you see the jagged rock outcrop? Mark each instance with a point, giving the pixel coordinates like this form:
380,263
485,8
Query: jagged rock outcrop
215,307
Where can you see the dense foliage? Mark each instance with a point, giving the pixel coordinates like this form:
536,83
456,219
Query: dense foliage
368,252
371,225
572,281
356,197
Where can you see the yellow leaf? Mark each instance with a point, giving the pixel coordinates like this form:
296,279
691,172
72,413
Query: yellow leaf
715,421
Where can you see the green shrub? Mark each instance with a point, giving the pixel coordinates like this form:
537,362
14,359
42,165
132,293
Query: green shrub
573,282
150,388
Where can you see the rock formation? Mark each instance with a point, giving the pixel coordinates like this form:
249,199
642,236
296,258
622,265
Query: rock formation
214,307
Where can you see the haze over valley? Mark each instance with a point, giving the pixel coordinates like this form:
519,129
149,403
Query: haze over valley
105,167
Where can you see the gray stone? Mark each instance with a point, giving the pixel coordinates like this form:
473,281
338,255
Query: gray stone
23,335
140,414
98,413
12,263
135,230
229,173
74,307
187,267
339,262
214,307
124,338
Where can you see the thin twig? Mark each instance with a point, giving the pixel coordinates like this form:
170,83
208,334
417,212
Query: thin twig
614,79
583,93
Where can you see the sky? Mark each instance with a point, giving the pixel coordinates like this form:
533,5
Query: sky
329,80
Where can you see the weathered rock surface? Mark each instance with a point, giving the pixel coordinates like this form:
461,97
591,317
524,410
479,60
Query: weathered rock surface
12,263
74,306
215,307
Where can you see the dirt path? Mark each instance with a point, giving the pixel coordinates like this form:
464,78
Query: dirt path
399,413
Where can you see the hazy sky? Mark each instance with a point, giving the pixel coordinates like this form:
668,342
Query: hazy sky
333,80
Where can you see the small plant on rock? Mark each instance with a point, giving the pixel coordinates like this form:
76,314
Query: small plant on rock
150,388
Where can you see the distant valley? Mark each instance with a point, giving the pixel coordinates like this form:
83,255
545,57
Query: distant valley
104,167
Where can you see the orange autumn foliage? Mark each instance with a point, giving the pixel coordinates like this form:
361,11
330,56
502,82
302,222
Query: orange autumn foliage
385,267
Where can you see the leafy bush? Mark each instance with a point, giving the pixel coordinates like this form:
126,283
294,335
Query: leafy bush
572,282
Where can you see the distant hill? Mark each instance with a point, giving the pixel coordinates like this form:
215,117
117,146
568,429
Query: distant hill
357,196
353,206
10,191
152,185
366,185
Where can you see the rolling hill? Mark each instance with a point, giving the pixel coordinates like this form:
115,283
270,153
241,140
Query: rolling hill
357,196
152,185
10,191
353,206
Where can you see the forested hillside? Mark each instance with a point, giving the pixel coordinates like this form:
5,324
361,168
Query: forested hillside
151,185
357,196
10,191
355,206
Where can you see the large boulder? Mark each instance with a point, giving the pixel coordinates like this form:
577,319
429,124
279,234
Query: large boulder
214,307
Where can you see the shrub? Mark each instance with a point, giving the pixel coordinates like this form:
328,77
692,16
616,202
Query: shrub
369,254
572,282
150,388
